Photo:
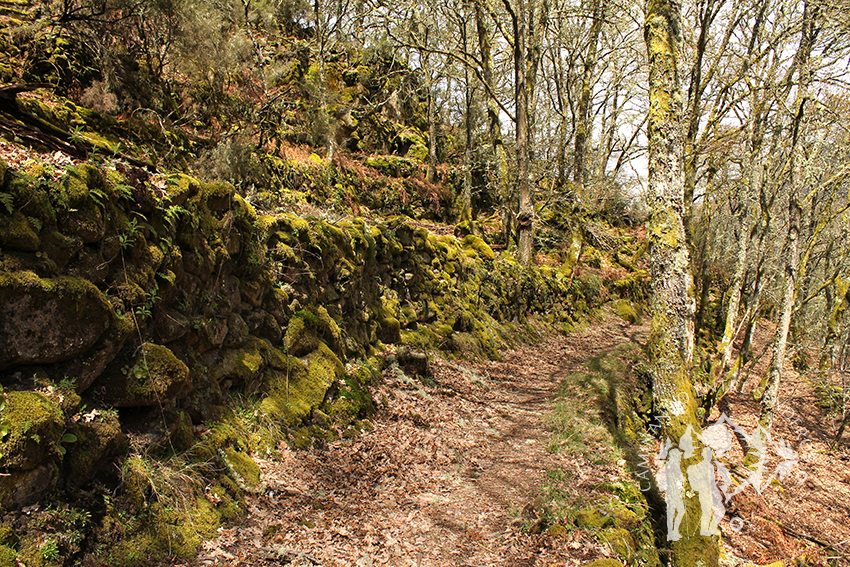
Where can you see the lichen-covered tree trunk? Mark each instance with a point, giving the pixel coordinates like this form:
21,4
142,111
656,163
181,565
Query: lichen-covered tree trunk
466,197
720,379
583,123
768,389
672,303
494,126
525,218
431,174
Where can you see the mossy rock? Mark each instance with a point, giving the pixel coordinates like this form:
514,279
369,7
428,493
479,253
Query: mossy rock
181,530
217,195
241,365
243,468
295,391
96,441
592,519
36,424
392,166
389,329
634,286
300,338
49,320
606,562
19,488
476,244
152,376
181,187
59,247
307,327
85,221
18,232
628,311
29,199
621,542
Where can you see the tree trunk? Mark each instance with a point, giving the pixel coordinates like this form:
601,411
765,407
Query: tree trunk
671,340
525,218
494,126
583,125
432,136
768,389
466,198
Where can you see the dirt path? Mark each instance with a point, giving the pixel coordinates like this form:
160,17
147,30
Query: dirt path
449,474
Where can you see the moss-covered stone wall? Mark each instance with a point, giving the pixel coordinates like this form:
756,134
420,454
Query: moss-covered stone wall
136,307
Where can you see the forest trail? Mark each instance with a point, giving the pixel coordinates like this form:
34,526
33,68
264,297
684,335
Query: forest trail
451,473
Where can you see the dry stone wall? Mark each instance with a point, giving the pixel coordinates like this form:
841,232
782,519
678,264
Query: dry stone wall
160,296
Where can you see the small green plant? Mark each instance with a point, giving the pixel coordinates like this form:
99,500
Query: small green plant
36,223
145,311
128,238
50,550
173,213
8,201
123,191
67,438
76,134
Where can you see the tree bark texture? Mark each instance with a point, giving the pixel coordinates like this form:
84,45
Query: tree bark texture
672,305
768,389
494,126
583,122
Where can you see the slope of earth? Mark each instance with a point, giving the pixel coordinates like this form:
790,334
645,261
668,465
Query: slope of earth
805,515
458,470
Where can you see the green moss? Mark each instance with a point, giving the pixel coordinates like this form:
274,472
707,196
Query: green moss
180,187
606,562
299,339
294,392
392,166
621,542
7,534
140,550
301,439
59,247
264,225
36,425
7,556
243,468
182,531
157,376
228,509
217,195
592,519
475,243
240,365
221,434
628,311
634,286
30,199
17,232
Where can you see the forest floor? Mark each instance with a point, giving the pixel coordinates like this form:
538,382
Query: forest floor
459,471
